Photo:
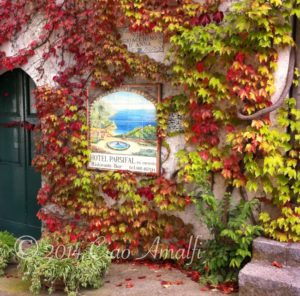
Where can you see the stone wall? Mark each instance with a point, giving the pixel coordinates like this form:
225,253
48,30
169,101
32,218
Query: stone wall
155,48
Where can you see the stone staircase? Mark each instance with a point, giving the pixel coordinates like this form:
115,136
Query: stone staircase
261,278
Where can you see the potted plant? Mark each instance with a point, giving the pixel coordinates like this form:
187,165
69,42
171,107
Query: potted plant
65,268
7,249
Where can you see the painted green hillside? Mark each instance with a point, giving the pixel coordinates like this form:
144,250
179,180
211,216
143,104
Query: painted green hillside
147,133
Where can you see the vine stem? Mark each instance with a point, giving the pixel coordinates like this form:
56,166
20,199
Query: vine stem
283,95
227,198
245,197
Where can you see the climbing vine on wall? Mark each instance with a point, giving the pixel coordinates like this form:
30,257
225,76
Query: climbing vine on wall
226,64
222,62
133,217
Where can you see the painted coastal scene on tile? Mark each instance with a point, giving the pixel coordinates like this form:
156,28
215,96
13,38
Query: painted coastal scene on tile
123,132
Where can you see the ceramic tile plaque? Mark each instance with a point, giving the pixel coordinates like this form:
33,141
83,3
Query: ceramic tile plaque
175,123
143,43
123,130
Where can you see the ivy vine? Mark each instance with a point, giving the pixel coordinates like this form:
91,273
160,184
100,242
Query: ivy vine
222,62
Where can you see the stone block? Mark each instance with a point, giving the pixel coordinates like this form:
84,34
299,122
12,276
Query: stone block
269,250
293,255
258,279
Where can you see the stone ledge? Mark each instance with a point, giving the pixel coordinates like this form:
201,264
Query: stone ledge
261,279
293,255
269,250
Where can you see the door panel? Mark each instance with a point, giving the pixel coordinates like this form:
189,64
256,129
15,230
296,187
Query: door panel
10,93
12,200
10,146
19,182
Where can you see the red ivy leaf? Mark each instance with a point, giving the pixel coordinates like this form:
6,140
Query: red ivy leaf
204,155
194,275
200,67
240,57
218,17
167,284
204,289
129,285
277,264
204,20
229,128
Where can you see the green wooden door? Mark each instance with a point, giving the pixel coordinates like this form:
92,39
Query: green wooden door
19,182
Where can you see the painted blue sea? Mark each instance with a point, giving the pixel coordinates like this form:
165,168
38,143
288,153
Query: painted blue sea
127,120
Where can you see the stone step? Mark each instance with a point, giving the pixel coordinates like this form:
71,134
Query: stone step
263,279
269,250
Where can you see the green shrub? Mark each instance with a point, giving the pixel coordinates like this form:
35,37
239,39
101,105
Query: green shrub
7,243
232,235
43,265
